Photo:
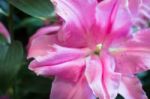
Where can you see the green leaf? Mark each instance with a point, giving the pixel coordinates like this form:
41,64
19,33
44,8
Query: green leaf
36,84
38,8
29,22
3,12
3,40
28,84
11,57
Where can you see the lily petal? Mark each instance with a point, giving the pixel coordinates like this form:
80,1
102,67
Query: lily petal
67,70
77,11
47,52
50,58
4,32
134,54
37,42
62,89
46,31
40,46
111,79
101,78
93,74
79,18
131,88
140,12
113,27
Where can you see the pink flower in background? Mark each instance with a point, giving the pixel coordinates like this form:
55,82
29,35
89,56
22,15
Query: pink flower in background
93,53
4,97
140,12
4,32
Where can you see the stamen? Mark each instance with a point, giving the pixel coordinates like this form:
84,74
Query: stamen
98,48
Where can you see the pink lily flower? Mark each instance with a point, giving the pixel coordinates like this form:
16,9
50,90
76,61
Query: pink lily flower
4,32
93,53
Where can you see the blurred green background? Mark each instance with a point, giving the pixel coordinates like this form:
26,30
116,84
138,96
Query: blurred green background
16,81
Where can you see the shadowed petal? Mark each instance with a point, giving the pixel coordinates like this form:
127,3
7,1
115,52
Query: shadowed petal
63,89
131,88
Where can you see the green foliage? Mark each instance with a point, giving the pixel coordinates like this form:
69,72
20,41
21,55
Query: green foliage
30,22
31,86
38,8
16,80
11,58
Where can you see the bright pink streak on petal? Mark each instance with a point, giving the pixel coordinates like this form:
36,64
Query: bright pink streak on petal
113,27
64,89
133,56
4,32
108,9
131,88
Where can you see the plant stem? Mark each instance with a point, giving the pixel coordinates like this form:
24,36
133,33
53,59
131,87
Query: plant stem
10,21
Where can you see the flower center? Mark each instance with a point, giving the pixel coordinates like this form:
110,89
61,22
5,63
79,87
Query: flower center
98,49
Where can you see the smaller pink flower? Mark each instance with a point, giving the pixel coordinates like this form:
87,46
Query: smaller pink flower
4,97
140,12
4,32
